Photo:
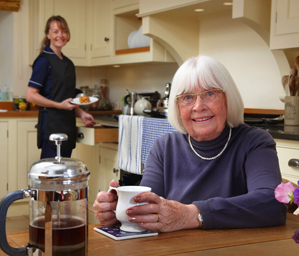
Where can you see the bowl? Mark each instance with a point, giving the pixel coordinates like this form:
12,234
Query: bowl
20,103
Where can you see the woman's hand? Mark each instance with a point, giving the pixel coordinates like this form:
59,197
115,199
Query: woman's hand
87,119
33,96
105,205
163,215
67,105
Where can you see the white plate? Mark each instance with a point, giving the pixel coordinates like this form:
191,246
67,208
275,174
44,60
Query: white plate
77,102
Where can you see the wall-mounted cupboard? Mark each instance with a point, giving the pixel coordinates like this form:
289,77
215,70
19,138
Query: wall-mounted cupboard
99,28
284,24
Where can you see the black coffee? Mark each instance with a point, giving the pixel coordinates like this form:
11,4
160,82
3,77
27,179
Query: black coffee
68,236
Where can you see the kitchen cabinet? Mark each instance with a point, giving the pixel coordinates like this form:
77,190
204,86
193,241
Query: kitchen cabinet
287,150
99,30
101,160
27,150
18,152
3,158
74,11
284,32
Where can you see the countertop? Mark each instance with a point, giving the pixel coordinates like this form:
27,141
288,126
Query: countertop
34,113
281,131
278,131
247,241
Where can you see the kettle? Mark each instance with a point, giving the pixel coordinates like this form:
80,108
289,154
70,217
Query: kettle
141,105
58,218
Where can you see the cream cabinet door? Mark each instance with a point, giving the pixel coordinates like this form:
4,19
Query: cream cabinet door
100,15
3,158
287,150
284,24
108,166
27,151
74,12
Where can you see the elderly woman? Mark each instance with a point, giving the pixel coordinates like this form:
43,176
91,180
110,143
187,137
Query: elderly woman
216,172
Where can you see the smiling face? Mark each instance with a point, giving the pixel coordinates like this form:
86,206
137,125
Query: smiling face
58,36
204,120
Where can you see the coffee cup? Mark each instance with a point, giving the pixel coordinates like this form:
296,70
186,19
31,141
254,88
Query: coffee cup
126,196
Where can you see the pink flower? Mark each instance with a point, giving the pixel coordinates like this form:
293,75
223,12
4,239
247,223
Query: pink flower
284,192
296,236
296,196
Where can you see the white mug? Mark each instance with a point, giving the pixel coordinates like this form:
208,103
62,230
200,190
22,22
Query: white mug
126,196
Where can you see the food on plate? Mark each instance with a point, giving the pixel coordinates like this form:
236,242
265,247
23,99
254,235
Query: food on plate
84,99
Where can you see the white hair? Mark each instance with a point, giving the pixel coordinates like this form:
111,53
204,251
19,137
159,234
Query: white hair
209,74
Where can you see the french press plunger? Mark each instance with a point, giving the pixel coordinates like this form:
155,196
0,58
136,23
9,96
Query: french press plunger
58,193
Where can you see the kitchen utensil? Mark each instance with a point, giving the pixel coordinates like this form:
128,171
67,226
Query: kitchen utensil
141,105
77,101
163,103
284,82
274,120
155,113
58,193
130,99
291,112
137,39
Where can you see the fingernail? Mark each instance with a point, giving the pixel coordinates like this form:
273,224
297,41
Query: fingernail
132,218
137,199
129,211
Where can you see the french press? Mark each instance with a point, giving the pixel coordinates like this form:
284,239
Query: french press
58,207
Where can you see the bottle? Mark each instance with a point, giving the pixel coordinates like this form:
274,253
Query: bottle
105,88
5,95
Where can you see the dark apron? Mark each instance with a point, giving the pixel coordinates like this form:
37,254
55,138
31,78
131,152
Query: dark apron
63,87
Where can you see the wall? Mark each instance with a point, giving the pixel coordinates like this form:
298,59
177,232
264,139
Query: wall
247,57
6,49
237,46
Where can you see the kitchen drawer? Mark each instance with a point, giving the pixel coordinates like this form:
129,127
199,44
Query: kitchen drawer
92,135
284,155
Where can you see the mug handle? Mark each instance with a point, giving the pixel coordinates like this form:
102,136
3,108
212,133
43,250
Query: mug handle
109,190
4,204
112,188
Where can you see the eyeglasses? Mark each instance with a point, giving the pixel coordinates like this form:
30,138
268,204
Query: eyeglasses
206,96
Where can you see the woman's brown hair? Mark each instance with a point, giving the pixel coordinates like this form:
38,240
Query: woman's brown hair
62,24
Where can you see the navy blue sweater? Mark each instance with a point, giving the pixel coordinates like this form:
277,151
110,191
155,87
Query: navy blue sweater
235,190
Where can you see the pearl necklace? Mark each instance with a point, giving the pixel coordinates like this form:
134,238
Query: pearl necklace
211,158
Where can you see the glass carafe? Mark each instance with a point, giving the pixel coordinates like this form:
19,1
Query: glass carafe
58,209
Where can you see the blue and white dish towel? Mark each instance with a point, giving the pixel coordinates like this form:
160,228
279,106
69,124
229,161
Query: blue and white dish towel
153,128
130,143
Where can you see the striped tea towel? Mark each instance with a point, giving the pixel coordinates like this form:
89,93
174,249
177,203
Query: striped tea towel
153,128
129,143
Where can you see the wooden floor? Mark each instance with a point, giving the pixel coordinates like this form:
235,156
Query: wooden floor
17,224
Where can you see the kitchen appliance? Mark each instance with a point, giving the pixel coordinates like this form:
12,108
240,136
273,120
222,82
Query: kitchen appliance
58,193
161,109
141,105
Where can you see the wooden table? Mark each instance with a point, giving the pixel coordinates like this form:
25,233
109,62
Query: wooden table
256,241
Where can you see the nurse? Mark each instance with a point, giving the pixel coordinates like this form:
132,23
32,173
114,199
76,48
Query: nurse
52,86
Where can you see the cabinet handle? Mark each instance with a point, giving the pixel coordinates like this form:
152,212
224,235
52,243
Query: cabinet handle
80,135
293,162
115,170
106,39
